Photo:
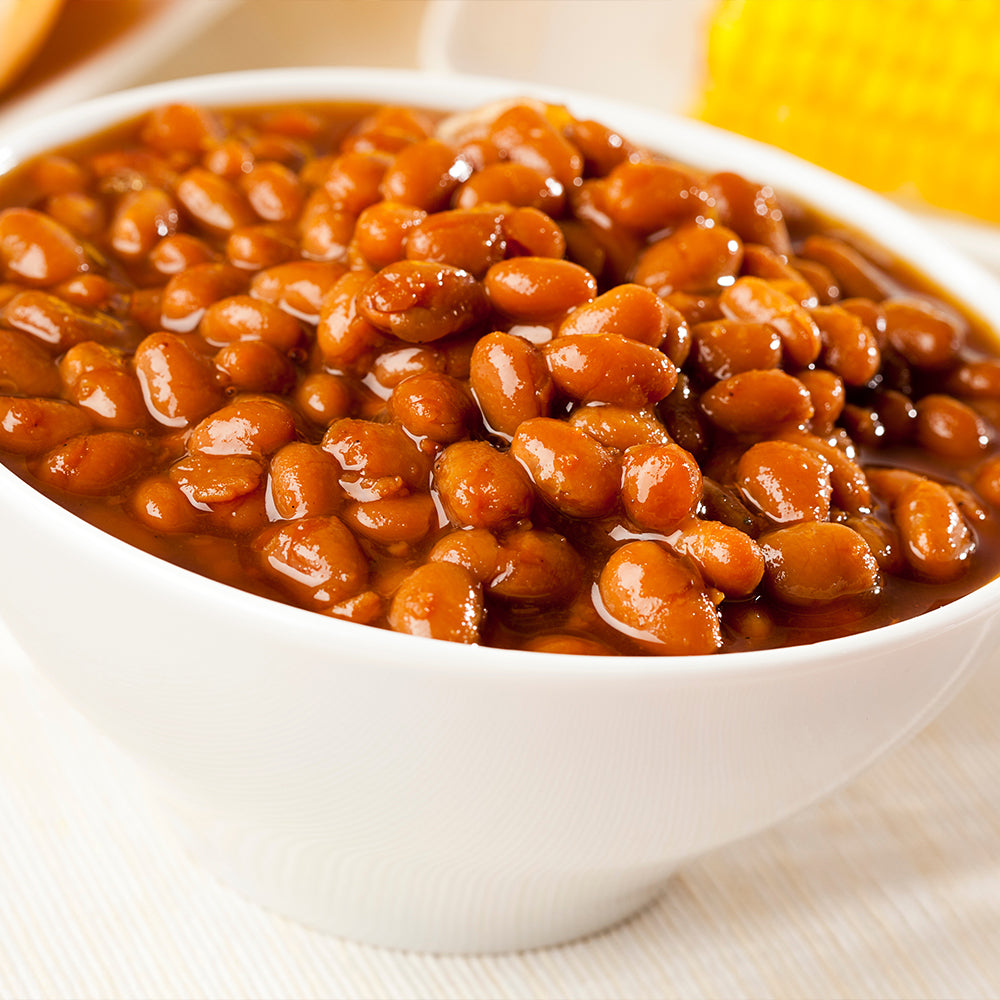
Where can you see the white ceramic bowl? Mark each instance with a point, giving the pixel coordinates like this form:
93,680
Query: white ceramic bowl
420,794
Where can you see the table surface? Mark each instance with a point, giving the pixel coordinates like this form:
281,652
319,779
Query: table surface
889,888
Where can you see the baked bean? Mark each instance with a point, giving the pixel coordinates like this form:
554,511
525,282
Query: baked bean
987,481
393,521
649,195
36,250
529,232
344,336
536,289
305,482
511,184
851,491
252,248
729,559
145,309
850,349
661,486
242,317
323,397
750,209
30,426
181,127
353,181
655,596
424,174
695,308
763,262
160,504
274,192
255,366
786,481
438,600
896,414
728,346
99,380
757,301
523,134
94,464
54,174
474,548
757,402
297,287
316,558
59,325
578,476
856,276
176,253
383,229
614,246
692,258
88,290
434,406
252,425
536,566
325,229
629,310
601,147
481,487
926,336
178,385
230,158
393,366
882,539
946,426
820,278
619,428
389,128
217,479
78,213
609,369
470,239
364,608
243,516
377,452
511,381
826,390
141,219
976,380
419,302
214,203
816,562
25,366
937,543
188,294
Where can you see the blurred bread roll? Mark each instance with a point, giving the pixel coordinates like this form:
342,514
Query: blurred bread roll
24,26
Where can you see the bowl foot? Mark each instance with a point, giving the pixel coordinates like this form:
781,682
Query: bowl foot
406,903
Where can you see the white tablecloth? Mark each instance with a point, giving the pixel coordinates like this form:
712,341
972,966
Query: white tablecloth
890,888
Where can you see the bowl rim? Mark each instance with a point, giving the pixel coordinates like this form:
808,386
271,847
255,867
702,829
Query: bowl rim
963,279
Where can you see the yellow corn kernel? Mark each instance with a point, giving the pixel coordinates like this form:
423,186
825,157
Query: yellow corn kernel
900,95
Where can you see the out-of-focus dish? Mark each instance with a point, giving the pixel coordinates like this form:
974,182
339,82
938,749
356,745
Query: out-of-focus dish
90,47
24,25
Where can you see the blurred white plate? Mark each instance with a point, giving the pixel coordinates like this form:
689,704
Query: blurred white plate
98,46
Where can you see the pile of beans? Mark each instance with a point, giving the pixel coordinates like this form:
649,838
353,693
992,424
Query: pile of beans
497,377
